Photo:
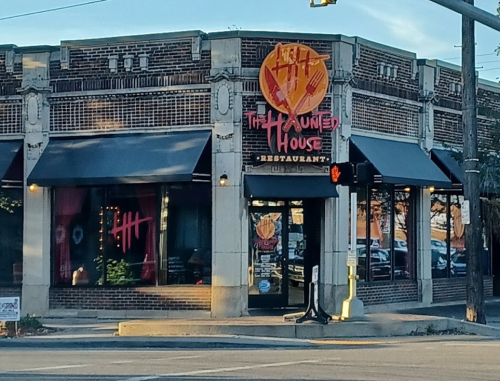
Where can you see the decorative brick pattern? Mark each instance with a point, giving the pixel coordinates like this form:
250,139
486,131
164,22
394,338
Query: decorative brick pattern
10,82
254,50
255,140
444,99
453,290
140,298
367,78
387,293
89,63
448,128
10,292
375,114
11,117
130,111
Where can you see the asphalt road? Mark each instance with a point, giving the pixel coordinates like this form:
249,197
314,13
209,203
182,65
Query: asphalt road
426,358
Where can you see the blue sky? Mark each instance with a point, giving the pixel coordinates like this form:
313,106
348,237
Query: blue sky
416,25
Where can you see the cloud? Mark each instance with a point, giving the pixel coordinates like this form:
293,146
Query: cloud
408,30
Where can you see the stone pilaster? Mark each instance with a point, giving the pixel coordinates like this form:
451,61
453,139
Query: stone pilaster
336,223
229,232
36,246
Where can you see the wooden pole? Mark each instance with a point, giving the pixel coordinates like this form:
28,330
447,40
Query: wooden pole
475,309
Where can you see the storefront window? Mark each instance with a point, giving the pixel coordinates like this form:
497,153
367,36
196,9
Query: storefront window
380,233
361,234
11,237
403,235
186,234
108,236
458,264
440,236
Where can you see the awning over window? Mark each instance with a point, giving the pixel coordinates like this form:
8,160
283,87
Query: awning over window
400,163
448,164
289,187
8,152
134,158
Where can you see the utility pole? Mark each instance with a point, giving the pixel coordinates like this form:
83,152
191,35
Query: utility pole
475,310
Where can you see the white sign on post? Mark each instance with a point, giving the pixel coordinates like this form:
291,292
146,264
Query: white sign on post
315,276
352,258
10,309
465,208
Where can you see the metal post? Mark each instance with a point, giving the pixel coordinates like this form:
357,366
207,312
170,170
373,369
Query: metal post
352,307
473,230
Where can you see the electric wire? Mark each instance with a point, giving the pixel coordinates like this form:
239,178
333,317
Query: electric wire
52,9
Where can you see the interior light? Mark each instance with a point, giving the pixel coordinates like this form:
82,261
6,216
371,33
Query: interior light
32,187
407,189
432,189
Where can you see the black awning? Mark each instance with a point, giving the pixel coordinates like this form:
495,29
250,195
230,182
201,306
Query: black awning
134,158
448,164
286,187
8,152
401,163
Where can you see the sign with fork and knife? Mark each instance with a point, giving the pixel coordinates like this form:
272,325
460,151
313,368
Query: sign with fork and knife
294,80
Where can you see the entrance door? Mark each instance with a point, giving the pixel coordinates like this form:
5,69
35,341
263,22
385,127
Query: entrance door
277,255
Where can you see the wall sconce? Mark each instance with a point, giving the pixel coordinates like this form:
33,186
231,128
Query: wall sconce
113,64
432,189
223,180
407,189
32,187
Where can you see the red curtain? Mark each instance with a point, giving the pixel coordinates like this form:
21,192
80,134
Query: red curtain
147,200
69,202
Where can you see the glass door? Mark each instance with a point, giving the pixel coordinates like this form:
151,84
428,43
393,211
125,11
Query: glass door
268,254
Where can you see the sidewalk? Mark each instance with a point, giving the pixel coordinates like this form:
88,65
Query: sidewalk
260,329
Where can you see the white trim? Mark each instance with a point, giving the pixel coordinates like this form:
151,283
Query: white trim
203,127
4,98
11,137
175,88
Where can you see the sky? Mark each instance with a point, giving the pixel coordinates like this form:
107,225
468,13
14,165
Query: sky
419,26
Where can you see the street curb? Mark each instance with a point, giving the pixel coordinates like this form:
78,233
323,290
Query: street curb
474,328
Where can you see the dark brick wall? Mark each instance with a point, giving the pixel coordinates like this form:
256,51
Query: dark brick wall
444,99
128,111
254,50
454,290
447,128
387,293
134,298
170,63
10,82
10,292
366,74
375,114
11,117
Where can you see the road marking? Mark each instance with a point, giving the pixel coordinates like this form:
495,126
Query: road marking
52,368
122,362
183,357
221,370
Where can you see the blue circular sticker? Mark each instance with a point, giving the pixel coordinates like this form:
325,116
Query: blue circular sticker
264,286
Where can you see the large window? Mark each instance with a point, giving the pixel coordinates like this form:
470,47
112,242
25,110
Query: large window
385,230
448,245
11,237
127,235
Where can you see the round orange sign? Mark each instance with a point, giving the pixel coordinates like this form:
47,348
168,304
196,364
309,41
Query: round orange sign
293,78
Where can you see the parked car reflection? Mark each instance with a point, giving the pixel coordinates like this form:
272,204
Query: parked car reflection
458,264
380,264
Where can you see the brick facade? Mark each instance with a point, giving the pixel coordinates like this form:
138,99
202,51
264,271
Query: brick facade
366,75
131,298
453,290
10,291
386,293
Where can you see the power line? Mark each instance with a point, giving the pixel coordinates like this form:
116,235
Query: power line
51,10
493,68
477,55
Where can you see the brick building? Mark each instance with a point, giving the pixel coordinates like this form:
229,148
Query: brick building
143,175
